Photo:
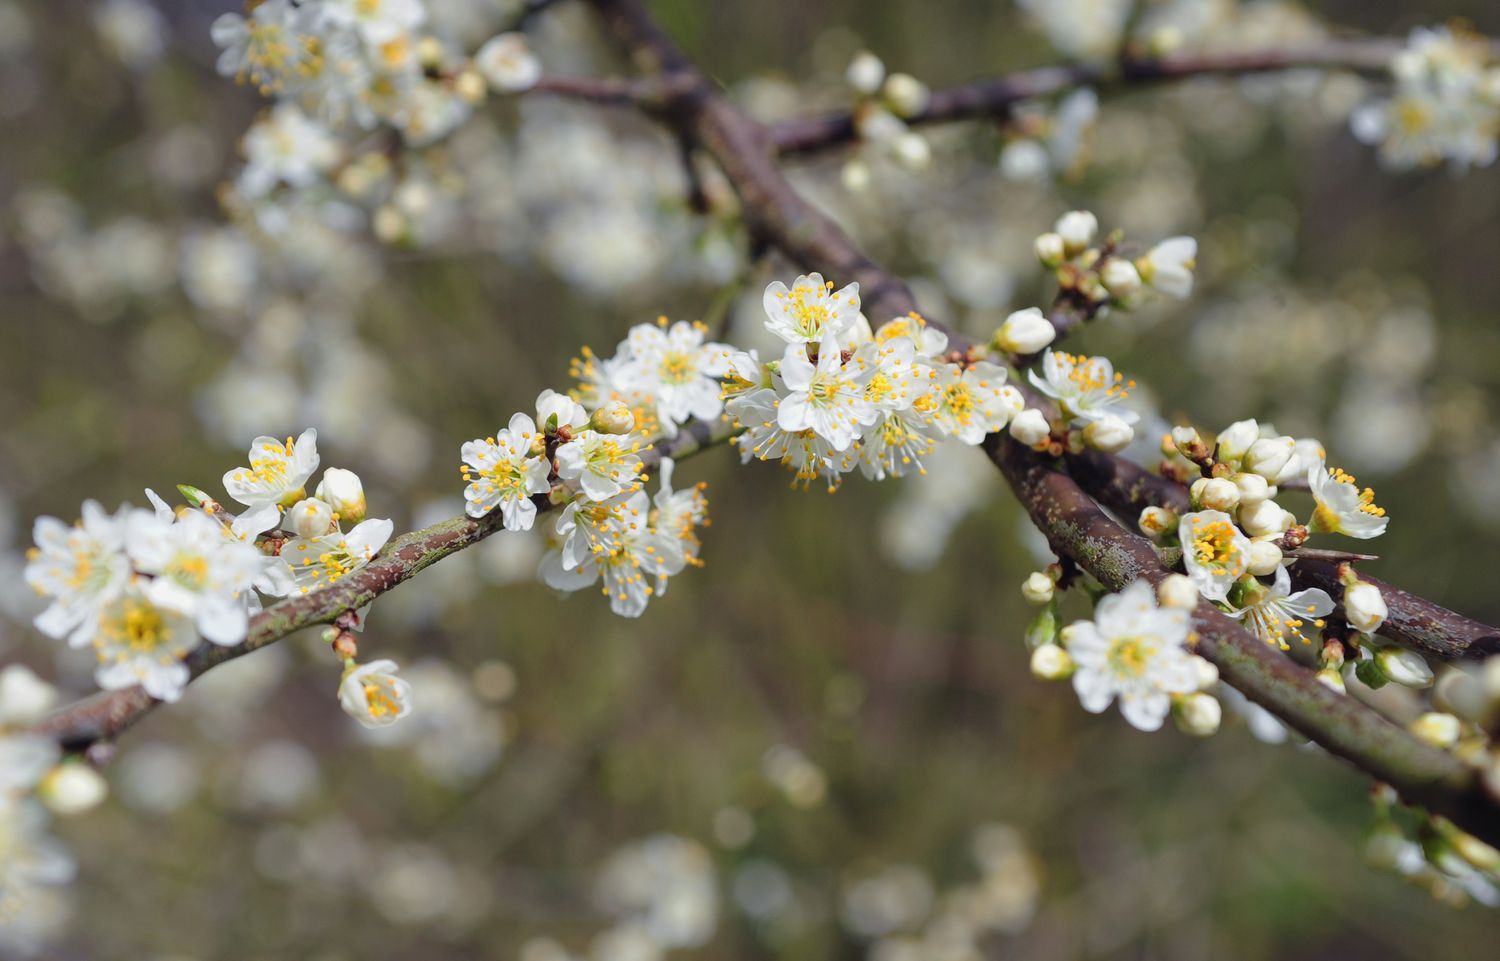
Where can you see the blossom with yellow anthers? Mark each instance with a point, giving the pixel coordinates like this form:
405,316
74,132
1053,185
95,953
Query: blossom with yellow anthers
80,567
1342,506
504,471
968,403
927,341
601,465
828,399
138,642
1085,388
373,695
641,552
1276,615
196,570
1214,551
678,368
276,47
1134,651
278,471
317,562
811,310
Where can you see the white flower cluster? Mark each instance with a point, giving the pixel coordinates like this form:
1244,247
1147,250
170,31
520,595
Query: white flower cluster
886,102
1102,275
360,64
141,587
610,530
1445,107
841,398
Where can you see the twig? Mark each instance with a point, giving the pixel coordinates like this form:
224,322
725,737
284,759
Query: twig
994,97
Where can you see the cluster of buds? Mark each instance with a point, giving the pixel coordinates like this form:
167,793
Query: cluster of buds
1099,274
886,102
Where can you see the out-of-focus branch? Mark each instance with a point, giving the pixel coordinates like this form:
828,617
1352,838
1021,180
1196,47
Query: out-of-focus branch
1125,488
1077,528
700,112
105,715
994,97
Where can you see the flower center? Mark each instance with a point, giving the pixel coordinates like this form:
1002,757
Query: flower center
1128,656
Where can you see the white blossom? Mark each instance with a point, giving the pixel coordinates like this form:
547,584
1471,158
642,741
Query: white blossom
1215,552
504,471
1135,651
373,695
277,473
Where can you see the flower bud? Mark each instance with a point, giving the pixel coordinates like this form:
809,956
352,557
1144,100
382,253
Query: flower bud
470,86
1109,434
342,490
1252,487
1205,673
1178,590
24,697
1475,851
1025,332
1439,730
1050,250
1364,608
855,176
508,64
1051,663
1265,557
310,517
1120,277
911,151
389,225
865,72
1216,493
1185,439
1269,456
1077,229
1038,588
1262,519
906,95
1236,439
1030,427
1330,678
1197,715
1156,521
615,417
1404,667
72,788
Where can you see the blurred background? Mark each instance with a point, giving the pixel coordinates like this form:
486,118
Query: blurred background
825,742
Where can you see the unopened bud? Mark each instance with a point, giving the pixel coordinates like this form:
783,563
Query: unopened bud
1252,487
72,788
1269,456
1109,433
1038,588
24,697
1156,521
1197,715
1206,674
911,151
1185,441
343,491
1050,250
615,417
1030,427
1404,667
389,225
1331,679
1265,557
1120,277
310,517
1261,519
470,86
1051,663
1178,590
1216,494
1235,439
855,175
906,95
865,72
1077,229
1025,332
1439,730
1364,608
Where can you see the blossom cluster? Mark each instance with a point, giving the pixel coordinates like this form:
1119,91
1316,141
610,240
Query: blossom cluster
142,587
589,461
1445,106
337,66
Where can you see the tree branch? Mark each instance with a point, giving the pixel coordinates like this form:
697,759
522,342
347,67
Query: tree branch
994,97
701,113
1125,488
